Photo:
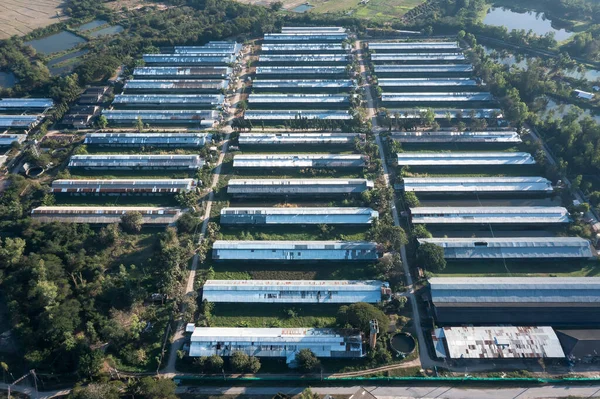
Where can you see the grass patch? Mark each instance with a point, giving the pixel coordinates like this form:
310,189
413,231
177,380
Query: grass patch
293,233
116,200
273,315
131,174
529,268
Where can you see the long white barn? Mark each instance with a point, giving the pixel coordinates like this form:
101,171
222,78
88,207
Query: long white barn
275,342
464,158
297,138
283,216
295,251
104,214
299,161
278,187
531,215
294,291
457,137
470,185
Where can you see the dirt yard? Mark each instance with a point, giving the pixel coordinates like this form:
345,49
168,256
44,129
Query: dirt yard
19,17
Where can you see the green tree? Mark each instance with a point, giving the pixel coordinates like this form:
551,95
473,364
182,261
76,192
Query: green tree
215,363
96,391
411,200
359,315
307,361
239,361
90,363
102,122
431,257
139,124
132,222
152,388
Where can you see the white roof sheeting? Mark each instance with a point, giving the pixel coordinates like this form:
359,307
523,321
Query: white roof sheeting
436,97
426,82
302,83
9,139
464,158
168,99
310,58
19,121
497,343
104,214
204,118
122,186
182,72
283,216
300,70
298,98
188,59
299,161
275,342
293,291
464,113
214,47
377,57
284,115
453,46
136,161
424,69
469,185
25,103
297,186
566,291
457,137
299,48
312,29
487,215
176,84
148,139
305,36
512,248
296,138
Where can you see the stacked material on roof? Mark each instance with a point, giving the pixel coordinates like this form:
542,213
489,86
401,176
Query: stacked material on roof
214,72
457,137
512,248
496,343
148,139
287,115
184,162
299,161
294,291
122,186
464,158
298,251
275,342
470,185
103,214
283,216
262,187
297,138
532,215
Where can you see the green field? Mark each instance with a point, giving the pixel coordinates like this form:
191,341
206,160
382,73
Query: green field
492,268
273,315
381,10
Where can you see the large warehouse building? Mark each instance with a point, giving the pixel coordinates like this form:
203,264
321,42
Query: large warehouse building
298,138
275,342
512,248
161,101
500,137
411,47
293,187
520,300
312,101
435,98
301,72
26,104
171,140
464,158
215,72
153,86
423,70
302,85
496,343
298,251
124,162
435,58
445,113
294,291
283,216
104,214
502,215
304,48
198,118
122,186
299,161
477,185
189,59
291,115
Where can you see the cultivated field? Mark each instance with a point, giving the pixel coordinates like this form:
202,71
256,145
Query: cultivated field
19,17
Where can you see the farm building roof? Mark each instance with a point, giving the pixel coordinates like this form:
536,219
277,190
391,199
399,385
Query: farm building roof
302,58
454,291
135,161
447,68
476,184
457,137
183,72
25,103
297,138
19,121
488,215
378,57
141,139
290,285
436,97
305,36
425,82
162,116
298,98
512,248
9,139
302,83
173,84
189,59
496,343
169,99
291,115
295,215
310,29
103,214
443,113
301,70
299,48
122,186
414,46
464,158
297,186
220,47
295,245
299,160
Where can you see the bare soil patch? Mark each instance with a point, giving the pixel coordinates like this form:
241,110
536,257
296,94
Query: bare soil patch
19,17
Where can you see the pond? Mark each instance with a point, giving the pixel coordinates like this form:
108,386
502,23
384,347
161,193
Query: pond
559,110
60,70
7,80
91,25
506,58
56,43
111,30
403,343
589,74
530,20
303,8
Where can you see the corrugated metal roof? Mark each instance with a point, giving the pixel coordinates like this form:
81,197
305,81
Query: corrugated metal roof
140,139
299,211
189,59
414,46
183,72
296,245
418,57
459,68
297,70
442,113
301,83
24,103
169,99
305,36
160,115
8,139
303,47
297,138
290,58
425,82
122,185
512,248
297,186
19,121
301,182
294,29
299,160
486,215
136,161
290,285
292,114
464,158
104,215
476,184
190,84
458,137
436,97
298,98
